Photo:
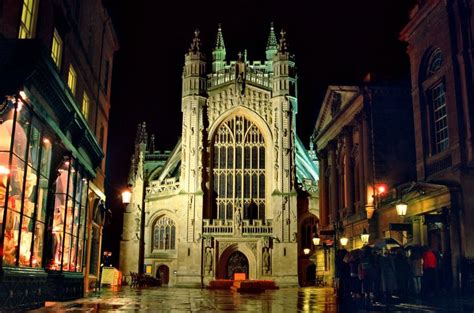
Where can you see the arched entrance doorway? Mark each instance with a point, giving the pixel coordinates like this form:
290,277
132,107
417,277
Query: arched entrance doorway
237,263
163,274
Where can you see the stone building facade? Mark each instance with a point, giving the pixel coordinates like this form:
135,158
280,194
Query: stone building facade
362,148
56,63
439,36
226,200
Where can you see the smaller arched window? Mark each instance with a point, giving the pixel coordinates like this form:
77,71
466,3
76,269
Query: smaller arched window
434,62
164,234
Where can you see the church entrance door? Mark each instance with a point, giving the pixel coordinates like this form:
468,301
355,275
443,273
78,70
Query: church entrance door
163,274
237,263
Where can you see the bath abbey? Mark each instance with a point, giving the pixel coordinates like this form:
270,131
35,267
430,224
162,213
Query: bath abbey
238,194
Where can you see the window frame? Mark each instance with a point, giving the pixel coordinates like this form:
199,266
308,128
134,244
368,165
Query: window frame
25,217
438,105
56,46
28,31
72,79
166,243
239,160
85,105
432,78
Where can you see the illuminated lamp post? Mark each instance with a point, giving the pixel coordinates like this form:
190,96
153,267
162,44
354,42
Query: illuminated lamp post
344,241
306,251
126,196
401,208
316,240
365,237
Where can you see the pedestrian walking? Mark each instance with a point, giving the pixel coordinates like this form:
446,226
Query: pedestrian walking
430,264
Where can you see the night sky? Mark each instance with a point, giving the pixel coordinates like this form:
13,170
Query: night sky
334,43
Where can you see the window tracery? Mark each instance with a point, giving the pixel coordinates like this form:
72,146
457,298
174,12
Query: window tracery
164,234
239,170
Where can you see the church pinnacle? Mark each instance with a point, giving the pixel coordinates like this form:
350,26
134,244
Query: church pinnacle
220,39
283,46
219,53
272,44
196,44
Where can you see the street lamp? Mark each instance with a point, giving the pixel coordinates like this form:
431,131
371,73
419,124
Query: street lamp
126,196
316,240
344,241
365,237
306,251
401,208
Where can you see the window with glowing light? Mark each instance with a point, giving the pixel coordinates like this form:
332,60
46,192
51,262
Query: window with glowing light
72,79
239,170
56,48
67,233
28,19
164,234
25,157
85,106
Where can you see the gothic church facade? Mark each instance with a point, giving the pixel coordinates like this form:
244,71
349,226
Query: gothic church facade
238,187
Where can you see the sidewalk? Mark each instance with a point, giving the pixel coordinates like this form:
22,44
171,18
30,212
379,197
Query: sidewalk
441,303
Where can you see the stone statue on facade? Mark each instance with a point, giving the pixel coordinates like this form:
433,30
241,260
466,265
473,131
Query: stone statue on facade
208,261
266,261
238,219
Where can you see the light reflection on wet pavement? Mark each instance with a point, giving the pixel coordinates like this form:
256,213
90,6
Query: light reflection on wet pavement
196,300
285,300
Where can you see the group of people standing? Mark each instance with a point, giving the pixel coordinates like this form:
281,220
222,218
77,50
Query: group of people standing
381,275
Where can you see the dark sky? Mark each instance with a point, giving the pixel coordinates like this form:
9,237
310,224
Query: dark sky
334,42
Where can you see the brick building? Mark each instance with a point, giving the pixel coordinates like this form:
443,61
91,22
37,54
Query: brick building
56,63
439,36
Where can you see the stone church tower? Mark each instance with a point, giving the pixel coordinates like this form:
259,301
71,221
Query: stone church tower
225,200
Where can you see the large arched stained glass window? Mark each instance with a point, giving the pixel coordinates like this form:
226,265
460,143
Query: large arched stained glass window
164,234
239,170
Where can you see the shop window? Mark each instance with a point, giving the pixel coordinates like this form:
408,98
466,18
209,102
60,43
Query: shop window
56,48
24,176
28,19
68,218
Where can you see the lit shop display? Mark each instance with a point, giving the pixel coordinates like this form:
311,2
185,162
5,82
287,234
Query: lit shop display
25,161
70,200
26,153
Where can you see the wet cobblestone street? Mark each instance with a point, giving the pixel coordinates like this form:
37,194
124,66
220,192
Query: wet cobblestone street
197,300
287,300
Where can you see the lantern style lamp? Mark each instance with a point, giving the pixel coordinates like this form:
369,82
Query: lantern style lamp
126,196
306,251
316,240
401,208
365,237
344,241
